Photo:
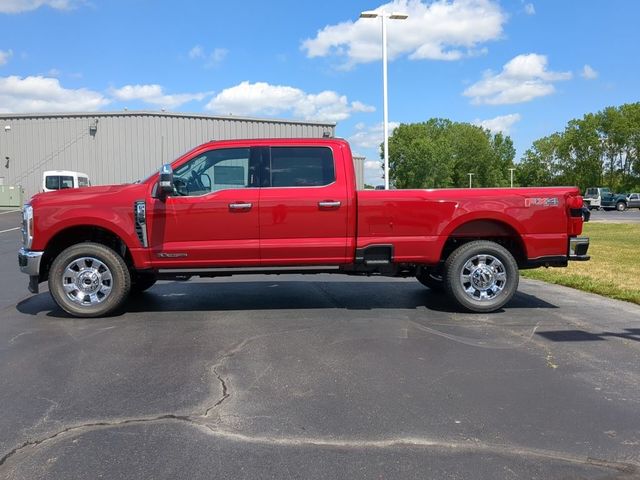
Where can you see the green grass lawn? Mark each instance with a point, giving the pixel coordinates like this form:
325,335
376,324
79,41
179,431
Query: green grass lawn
614,268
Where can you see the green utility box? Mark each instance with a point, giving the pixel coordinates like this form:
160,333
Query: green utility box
11,196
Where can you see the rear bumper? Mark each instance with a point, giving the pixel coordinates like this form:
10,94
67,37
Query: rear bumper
578,247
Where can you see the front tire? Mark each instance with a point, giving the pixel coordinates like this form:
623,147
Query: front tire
89,280
621,206
481,276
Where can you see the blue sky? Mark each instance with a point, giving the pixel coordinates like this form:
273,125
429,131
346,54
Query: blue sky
522,67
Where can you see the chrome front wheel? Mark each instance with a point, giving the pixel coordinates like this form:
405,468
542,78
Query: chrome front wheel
87,281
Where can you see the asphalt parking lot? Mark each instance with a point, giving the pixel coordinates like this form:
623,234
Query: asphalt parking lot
316,377
631,215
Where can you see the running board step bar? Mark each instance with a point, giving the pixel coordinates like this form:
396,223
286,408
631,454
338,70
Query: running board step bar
169,273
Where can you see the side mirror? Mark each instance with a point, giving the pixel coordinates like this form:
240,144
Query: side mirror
165,181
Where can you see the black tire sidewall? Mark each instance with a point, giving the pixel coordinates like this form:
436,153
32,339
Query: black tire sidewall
459,257
115,263
426,278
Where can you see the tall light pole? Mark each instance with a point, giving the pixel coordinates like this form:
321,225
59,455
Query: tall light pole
385,103
470,175
511,170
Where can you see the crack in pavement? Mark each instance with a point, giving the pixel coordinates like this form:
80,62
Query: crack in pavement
203,422
190,418
629,470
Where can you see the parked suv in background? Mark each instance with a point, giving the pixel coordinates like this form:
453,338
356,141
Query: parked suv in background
603,198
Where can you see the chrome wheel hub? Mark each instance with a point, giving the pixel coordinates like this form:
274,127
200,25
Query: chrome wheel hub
483,277
87,281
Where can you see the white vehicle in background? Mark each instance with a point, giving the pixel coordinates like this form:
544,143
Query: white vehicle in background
60,179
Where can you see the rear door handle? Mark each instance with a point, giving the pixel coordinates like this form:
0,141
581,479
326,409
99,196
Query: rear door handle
329,204
240,206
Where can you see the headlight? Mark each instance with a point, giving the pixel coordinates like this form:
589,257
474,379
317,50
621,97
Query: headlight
27,226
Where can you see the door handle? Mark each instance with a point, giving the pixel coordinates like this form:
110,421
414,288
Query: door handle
240,206
329,204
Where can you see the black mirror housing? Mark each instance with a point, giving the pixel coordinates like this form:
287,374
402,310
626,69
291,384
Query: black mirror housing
165,180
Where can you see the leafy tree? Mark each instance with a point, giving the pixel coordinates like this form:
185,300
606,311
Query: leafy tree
599,149
440,153
539,166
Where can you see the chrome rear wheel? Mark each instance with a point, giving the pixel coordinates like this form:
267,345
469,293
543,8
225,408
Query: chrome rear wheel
481,276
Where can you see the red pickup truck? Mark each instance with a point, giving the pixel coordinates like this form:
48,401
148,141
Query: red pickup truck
290,206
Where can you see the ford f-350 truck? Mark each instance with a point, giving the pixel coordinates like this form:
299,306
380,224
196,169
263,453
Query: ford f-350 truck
289,206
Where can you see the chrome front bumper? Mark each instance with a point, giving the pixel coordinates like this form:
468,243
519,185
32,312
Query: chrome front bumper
578,247
29,262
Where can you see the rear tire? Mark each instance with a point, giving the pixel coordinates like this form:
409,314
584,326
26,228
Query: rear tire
89,280
142,281
431,279
481,276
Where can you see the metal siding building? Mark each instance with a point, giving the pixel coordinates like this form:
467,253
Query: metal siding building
358,164
118,147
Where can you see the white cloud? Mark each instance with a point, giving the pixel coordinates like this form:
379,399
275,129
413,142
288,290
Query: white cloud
502,123
373,164
370,136
522,79
589,73
212,58
42,94
154,95
5,55
441,30
529,9
18,6
262,98
196,52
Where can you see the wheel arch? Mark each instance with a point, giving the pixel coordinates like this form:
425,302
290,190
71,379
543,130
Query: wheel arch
73,235
491,229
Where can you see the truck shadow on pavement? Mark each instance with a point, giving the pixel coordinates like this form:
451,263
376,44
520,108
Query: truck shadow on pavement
582,336
281,295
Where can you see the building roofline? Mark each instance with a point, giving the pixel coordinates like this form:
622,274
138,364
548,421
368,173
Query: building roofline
133,113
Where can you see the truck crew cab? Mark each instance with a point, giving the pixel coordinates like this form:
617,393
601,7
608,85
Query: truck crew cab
290,205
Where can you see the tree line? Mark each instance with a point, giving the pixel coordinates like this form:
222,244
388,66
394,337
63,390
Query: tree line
599,149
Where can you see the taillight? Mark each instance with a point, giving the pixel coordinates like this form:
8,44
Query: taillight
575,202
575,205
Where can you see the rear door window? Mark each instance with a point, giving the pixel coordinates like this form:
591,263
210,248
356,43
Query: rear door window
301,167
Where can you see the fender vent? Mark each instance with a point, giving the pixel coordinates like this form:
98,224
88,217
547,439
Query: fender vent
140,216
